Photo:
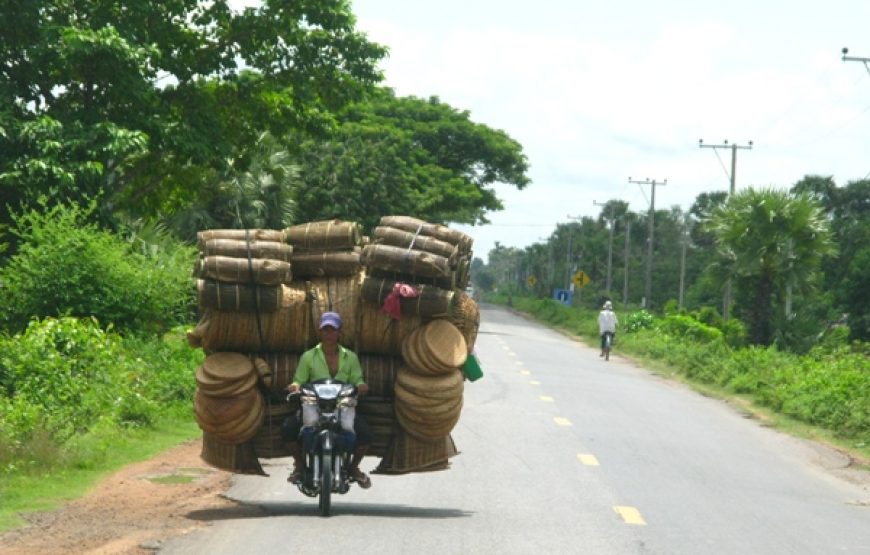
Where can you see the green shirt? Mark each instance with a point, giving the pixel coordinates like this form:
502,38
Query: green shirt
312,366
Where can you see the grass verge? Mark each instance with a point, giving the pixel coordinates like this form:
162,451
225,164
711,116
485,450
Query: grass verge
92,458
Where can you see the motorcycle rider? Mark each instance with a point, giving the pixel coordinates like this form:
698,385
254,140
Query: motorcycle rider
607,323
328,359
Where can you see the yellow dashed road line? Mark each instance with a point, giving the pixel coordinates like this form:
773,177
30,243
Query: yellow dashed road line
588,460
562,421
546,398
534,382
630,515
525,372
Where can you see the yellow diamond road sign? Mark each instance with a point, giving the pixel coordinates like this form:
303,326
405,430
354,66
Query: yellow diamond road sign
580,279
532,280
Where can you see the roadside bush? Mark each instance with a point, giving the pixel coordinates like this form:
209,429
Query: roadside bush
638,321
686,326
710,316
65,266
67,378
63,374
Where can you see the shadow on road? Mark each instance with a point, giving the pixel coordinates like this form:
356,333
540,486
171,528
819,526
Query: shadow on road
265,510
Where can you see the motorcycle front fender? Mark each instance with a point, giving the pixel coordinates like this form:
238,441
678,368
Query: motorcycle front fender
327,441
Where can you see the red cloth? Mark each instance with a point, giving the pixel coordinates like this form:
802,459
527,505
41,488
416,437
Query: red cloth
392,302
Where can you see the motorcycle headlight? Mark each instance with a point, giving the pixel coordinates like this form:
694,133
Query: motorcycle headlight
327,390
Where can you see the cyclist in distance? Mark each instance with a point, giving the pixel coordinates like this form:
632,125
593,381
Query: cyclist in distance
607,323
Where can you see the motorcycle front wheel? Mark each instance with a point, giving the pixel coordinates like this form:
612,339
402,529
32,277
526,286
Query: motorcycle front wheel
325,484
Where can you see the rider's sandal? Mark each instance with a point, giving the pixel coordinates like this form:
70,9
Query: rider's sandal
295,476
361,478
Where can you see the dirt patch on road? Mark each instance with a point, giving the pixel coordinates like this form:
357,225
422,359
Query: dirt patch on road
131,512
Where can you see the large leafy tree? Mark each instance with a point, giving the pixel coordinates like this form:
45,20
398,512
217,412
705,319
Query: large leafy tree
138,101
848,209
408,155
771,243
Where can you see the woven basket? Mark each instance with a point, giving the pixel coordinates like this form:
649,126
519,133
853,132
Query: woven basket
465,315
443,387
324,235
442,342
235,248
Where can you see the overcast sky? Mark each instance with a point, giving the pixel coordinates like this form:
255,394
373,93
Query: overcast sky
597,92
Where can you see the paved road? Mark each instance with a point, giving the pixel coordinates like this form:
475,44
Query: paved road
562,452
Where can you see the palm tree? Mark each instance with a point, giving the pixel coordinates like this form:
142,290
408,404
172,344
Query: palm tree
258,190
771,243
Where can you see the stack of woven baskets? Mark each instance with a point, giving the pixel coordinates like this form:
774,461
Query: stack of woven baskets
258,327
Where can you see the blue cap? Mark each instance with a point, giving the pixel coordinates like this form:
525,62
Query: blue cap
330,319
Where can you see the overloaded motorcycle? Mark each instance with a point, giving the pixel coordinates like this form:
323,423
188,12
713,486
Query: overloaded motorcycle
328,410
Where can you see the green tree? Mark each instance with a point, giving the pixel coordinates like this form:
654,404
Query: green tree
771,243
411,156
139,102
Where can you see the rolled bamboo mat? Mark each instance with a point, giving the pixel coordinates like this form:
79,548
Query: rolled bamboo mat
405,261
268,442
415,225
239,459
380,334
288,329
433,302
238,297
263,271
239,248
271,235
333,263
408,454
281,369
324,235
408,239
336,294
447,282
379,372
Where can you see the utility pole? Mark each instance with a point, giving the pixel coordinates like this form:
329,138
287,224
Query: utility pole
726,301
865,61
625,277
684,241
650,230
609,244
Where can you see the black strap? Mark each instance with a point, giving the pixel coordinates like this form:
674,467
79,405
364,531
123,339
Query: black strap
254,288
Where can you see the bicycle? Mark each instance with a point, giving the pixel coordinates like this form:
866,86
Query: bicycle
608,341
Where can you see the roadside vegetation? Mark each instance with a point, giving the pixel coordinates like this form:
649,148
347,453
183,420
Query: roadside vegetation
827,387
